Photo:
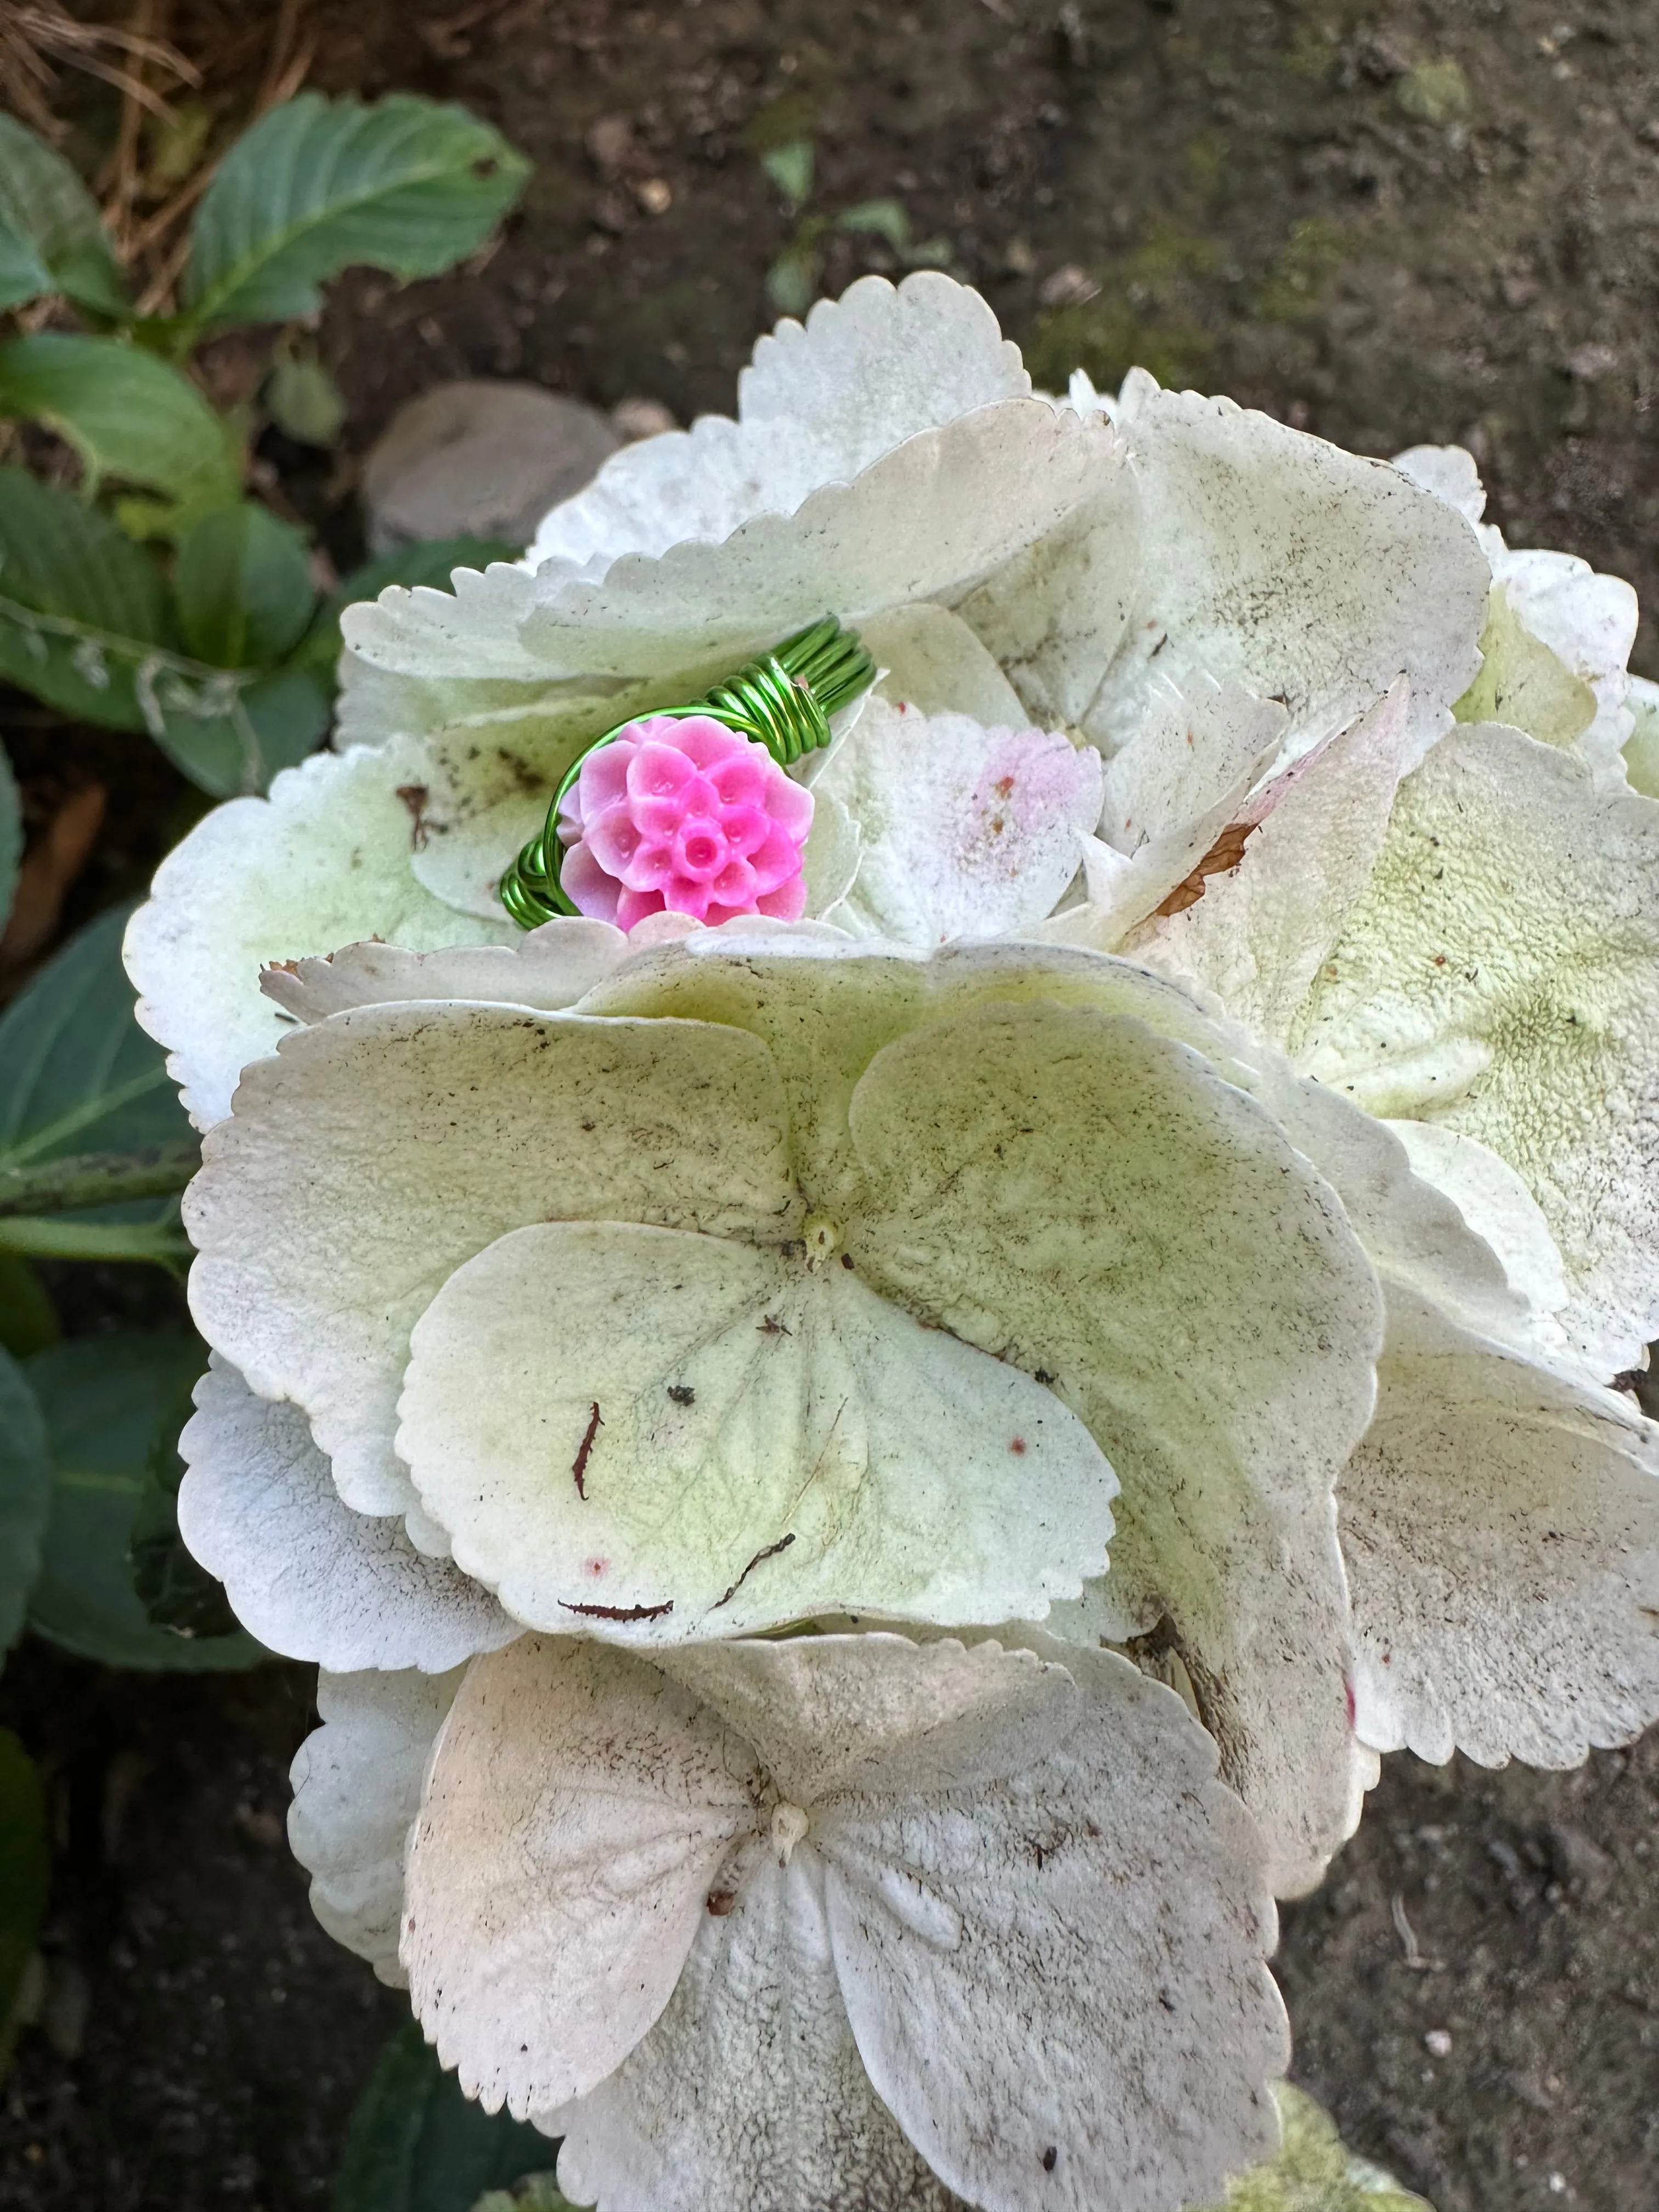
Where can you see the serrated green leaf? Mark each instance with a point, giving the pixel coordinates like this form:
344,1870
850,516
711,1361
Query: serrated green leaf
50,238
126,413
416,2144
11,837
25,1873
25,1496
242,582
432,563
103,1399
318,185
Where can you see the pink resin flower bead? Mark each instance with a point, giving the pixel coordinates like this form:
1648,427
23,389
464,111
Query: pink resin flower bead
683,815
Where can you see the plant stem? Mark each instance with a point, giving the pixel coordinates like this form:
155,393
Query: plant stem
92,1179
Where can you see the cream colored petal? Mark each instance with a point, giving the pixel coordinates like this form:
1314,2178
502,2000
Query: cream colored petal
749,2095
1310,574
1642,750
684,1436
965,831
1497,1206
1588,622
324,861
550,967
1523,684
934,662
384,1146
1056,1978
1195,748
1500,977
818,404
308,1576
577,1809
1260,933
356,1788
1450,473
1501,1526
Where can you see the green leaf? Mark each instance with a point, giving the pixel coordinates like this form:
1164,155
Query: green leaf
318,185
50,238
28,1320
25,1875
1313,2171
431,563
243,584
882,218
127,414
792,281
25,1498
267,724
77,1074
175,1592
104,1398
11,837
537,2192
416,2144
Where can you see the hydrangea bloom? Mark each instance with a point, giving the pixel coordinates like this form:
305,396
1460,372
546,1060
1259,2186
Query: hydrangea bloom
1204,1113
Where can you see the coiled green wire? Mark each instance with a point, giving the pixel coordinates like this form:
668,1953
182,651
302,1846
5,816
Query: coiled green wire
784,700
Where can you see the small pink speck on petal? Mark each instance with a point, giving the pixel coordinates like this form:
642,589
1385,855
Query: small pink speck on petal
686,817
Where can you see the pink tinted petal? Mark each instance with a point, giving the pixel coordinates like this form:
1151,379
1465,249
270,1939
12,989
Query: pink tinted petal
734,886
635,907
742,780
651,867
657,817
787,903
603,778
700,850
790,805
745,827
707,742
659,771
613,838
685,897
590,888
777,860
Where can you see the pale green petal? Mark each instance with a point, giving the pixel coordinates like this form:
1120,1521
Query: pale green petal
727,1439
1311,575
965,831
576,1813
1588,622
1641,751
380,1149
1497,1207
324,861
1525,685
549,969
1313,2171
1500,977
356,1785
1501,1527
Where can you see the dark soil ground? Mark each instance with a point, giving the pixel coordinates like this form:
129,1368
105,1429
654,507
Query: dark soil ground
1299,205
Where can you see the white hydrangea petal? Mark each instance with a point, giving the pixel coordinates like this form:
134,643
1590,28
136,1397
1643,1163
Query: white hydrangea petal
1055,1977
1641,748
1588,622
550,967
927,521
383,1147
308,1576
726,1440
1497,1206
1195,746
829,862
356,1788
577,1809
1311,575
965,831
1450,473
934,662
1501,1525
322,860
1498,976
1260,933
749,2095
818,403
469,634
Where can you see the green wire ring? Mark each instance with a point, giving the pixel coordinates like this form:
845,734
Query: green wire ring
784,701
